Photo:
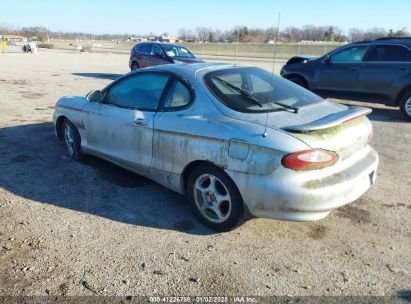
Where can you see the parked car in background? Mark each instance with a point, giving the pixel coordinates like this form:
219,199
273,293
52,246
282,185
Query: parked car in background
230,138
374,71
155,53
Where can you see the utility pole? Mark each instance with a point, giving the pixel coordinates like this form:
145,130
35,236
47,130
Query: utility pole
276,38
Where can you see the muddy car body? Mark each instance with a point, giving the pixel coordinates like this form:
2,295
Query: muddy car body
291,160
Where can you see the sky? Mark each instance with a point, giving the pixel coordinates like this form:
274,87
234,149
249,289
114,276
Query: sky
159,16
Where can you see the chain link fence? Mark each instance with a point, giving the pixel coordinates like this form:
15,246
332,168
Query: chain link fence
234,50
262,51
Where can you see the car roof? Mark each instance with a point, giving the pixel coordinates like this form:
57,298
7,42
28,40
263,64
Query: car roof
406,41
190,68
159,43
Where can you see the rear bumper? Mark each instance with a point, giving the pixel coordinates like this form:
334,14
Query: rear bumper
308,195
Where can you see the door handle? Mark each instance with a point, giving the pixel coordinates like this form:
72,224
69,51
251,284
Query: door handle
140,122
354,69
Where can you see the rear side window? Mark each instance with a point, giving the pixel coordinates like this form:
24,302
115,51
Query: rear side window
389,53
141,91
352,54
178,96
144,48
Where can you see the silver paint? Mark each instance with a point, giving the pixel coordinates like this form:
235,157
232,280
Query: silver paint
162,145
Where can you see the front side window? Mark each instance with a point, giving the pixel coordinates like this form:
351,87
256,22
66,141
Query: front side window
253,90
176,51
140,91
156,51
387,53
178,96
352,54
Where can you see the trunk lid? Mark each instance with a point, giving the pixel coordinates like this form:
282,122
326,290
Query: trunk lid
324,125
344,132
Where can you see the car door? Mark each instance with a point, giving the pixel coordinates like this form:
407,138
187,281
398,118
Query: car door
338,73
172,123
157,56
144,56
120,127
384,65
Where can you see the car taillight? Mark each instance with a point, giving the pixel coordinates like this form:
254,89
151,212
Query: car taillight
310,159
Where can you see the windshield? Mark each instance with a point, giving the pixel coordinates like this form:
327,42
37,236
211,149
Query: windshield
255,90
176,51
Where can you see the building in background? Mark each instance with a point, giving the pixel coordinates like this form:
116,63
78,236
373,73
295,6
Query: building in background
137,39
12,38
165,38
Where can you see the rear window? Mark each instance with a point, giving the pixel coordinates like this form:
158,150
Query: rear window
231,87
389,53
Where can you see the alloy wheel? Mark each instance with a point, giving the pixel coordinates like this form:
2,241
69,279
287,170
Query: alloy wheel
69,139
212,198
407,107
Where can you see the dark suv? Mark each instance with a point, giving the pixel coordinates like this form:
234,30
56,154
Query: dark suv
155,53
374,71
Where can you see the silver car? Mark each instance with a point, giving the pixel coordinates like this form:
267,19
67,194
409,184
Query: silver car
232,139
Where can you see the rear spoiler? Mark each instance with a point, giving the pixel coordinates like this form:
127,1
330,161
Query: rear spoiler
331,120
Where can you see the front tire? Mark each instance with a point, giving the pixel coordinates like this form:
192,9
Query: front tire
214,198
71,139
405,106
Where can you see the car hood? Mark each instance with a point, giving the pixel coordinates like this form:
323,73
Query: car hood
301,59
73,102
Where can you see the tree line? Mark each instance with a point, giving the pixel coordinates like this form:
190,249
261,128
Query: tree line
242,34
289,34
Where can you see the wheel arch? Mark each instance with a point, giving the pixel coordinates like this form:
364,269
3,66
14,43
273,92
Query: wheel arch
59,125
401,94
299,76
134,61
192,165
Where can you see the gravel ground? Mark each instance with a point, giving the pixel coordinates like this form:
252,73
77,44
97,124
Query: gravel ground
90,228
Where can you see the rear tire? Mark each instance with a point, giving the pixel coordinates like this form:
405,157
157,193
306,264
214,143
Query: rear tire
405,106
71,139
134,66
301,82
214,198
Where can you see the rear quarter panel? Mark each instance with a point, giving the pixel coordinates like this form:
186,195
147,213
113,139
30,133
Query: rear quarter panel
203,133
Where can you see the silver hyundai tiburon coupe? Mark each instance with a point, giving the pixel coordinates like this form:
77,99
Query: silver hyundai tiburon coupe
230,138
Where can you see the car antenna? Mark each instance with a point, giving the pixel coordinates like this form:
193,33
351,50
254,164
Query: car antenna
272,73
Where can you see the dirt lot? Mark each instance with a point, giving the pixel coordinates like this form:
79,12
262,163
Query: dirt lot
70,228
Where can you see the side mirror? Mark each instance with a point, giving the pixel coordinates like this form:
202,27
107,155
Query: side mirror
327,59
94,96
